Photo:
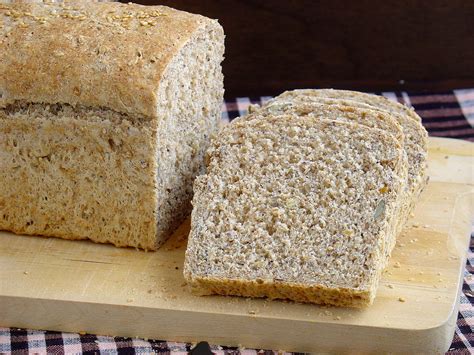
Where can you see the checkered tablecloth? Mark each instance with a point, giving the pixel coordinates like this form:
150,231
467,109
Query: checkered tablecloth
447,114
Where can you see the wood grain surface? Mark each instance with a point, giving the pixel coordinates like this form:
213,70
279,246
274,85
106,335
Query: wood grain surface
277,45
48,283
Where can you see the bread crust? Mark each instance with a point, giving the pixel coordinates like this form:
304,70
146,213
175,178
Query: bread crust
274,289
93,54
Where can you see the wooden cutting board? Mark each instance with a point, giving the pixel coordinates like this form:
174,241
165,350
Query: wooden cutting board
48,283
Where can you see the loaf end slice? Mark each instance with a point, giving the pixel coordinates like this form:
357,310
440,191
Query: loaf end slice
295,208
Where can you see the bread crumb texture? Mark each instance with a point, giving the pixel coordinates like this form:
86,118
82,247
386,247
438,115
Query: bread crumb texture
290,207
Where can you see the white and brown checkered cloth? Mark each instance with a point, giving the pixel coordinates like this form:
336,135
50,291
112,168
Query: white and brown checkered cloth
447,114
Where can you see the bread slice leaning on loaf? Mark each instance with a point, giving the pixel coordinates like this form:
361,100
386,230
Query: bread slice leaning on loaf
416,137
105,114
292,208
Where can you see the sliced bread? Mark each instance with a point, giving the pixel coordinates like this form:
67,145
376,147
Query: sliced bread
369,99
346,112
416,137
295,207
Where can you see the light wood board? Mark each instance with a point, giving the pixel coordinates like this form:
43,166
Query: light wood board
48,283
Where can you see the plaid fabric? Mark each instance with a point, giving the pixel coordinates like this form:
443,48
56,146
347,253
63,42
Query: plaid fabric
447,114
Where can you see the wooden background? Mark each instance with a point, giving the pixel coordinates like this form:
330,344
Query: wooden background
373,45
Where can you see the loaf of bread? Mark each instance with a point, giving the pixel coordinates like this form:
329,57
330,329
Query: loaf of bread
105,114
296,207
416,137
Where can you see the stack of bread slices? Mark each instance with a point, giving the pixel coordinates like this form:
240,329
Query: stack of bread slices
304,197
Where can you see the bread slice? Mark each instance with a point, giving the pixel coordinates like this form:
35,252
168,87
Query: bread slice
416,137
369,99
342,111
346,112
295,207
105,114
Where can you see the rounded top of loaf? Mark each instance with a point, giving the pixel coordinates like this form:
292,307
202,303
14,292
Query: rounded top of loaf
94,54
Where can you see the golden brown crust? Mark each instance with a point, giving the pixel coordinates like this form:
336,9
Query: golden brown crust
90,54
272,289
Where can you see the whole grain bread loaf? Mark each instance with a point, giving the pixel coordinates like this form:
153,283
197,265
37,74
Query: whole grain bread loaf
105,114
296,207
